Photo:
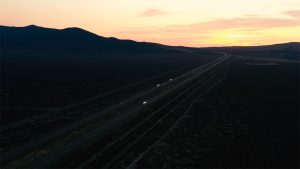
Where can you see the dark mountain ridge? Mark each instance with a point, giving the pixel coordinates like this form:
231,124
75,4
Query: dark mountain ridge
36,38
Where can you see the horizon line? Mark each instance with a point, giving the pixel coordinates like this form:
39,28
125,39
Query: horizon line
221,46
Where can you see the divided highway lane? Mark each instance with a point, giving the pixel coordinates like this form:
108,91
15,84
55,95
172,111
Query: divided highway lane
140,136
127,118
162,129
43,151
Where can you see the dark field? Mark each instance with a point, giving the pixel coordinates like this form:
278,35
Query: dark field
29,92
37,87
250,120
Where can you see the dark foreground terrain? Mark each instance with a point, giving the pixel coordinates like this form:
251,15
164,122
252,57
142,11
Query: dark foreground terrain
241,113
73,99
251,120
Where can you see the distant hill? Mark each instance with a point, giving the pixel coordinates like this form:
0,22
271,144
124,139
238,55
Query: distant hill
292,46
284,51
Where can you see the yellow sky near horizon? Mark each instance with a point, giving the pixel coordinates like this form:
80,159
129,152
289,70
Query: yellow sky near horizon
194,23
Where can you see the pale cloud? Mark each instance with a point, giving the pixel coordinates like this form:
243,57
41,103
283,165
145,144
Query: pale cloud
293,13
239,22
153,13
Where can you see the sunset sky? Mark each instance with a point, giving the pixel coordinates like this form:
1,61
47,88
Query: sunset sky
195,23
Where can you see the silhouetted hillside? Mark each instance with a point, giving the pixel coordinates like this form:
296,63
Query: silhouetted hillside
38,48
36,39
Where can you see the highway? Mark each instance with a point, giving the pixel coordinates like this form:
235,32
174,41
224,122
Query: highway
157,125
67,115
49,150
